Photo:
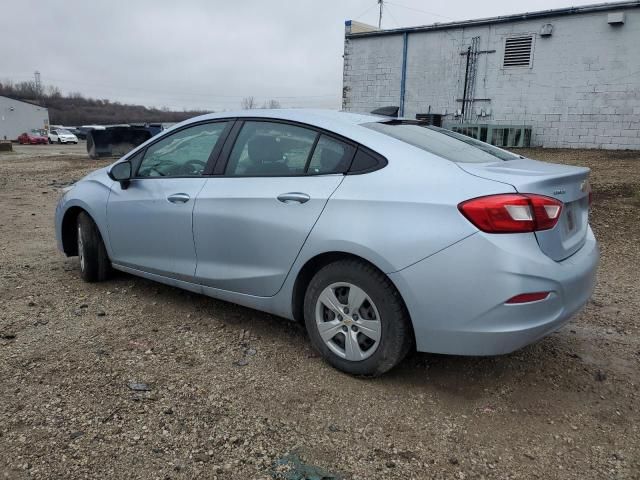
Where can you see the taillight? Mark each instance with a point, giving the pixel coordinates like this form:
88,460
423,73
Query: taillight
512,213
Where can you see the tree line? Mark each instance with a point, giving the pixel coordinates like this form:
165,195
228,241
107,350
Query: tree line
76,109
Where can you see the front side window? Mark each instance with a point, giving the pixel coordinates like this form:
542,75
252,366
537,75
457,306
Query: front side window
270,149
182,154
444,143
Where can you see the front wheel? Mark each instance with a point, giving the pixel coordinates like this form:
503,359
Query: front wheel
94,261
356,318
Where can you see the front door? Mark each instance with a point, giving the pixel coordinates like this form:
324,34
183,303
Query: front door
150,222
251,223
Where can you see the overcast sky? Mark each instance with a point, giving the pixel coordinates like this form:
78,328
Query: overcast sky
207,54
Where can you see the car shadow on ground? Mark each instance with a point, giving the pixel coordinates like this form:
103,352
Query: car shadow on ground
456,377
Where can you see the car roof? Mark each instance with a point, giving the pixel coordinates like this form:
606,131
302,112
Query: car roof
304,115
342,123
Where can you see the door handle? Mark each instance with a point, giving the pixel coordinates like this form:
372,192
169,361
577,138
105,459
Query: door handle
179,198
294,197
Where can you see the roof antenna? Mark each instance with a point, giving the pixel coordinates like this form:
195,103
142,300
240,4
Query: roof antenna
381,3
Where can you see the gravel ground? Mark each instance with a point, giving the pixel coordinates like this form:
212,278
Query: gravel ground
132,379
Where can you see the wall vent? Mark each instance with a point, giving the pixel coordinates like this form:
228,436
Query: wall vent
615,18
517,51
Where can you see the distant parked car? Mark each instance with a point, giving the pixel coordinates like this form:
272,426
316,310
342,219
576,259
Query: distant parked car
31,139
62,136
81,132
84,129
73,130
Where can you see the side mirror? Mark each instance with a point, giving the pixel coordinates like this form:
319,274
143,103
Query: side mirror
121,172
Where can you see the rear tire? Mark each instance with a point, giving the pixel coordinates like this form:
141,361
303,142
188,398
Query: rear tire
372,337
94,261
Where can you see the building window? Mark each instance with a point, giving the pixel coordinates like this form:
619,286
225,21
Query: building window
518,51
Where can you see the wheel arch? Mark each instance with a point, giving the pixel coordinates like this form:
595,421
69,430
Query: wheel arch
312,266
68,230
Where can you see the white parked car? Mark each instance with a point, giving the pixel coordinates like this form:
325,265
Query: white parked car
62,136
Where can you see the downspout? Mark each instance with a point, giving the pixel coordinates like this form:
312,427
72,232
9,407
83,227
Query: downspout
466,81
403,78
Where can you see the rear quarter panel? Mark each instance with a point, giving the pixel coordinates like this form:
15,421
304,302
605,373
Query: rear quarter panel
400,214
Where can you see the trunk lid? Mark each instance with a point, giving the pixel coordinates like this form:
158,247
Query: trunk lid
566,183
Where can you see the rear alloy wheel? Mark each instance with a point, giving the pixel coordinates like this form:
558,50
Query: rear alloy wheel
356,318
94,261
348,321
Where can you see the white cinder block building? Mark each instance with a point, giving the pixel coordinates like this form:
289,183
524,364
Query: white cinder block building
558,78
18,117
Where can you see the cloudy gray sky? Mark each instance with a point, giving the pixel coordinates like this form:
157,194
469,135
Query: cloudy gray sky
207,53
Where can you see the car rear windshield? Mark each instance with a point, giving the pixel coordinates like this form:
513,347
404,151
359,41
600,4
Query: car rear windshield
444,143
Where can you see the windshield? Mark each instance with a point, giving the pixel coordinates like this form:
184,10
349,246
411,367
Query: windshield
444,143
64,132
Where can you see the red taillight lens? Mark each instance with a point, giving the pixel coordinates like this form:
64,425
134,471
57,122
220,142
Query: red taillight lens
512,213
528,297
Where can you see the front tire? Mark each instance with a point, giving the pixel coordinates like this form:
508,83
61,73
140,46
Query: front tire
356,318
94,261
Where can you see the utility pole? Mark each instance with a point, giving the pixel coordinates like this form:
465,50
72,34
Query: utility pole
381,3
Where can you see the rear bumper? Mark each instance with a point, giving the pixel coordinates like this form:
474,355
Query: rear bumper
456,297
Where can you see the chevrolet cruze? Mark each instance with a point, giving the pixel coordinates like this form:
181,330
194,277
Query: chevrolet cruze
381,235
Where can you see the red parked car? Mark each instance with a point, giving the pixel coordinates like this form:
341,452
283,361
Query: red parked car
32,139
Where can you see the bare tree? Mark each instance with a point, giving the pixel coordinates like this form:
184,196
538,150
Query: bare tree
53,92
249,103
273,104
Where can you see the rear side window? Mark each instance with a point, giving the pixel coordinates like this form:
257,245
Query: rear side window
271,149
444,143
365,162
330,156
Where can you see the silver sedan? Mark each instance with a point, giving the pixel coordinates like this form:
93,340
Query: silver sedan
380,235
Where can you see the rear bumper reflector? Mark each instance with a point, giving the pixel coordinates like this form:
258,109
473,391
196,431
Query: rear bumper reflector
528,297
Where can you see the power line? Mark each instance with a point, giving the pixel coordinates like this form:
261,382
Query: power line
393,17
365,12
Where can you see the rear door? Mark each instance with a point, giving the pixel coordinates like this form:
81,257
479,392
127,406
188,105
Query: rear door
252,219
150,222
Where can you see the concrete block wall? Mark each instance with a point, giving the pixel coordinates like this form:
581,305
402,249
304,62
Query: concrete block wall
582,90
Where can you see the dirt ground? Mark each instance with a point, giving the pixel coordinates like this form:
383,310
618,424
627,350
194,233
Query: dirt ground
230,391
